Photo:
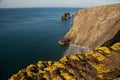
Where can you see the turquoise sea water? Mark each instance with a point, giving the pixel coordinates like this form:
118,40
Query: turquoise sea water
30,34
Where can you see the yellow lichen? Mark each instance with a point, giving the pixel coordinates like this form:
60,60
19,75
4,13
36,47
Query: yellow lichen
98,56
64,59
54,66
58,64
49,63
89,53
50,68
100,68
57,78
80,56
74,57
103,49
29,73
67,76
46,76
30,66
71,71
41,71
40,64
82,79
116,46
101,76
13,77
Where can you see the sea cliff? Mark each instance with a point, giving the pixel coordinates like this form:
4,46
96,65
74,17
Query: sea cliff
92,27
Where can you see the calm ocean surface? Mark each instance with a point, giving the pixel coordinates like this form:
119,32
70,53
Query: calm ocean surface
30,34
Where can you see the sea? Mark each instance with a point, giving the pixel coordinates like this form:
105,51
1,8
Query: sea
28,35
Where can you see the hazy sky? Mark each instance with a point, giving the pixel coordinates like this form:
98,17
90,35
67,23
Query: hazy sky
54,3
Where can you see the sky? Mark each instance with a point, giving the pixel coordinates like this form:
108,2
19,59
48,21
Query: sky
54,3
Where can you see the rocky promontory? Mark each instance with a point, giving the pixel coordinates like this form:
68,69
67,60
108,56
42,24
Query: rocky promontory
93,27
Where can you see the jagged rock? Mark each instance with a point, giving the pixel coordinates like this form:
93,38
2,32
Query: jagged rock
65,16
100,64
94,26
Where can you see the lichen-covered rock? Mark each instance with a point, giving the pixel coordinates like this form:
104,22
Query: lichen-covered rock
65,16
102,63
94,26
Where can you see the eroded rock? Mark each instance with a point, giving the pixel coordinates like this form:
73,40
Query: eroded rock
94,26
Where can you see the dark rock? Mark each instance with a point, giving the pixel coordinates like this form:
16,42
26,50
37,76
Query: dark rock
65,16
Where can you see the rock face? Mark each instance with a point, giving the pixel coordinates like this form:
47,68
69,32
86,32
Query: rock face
65,16
94,26
100,64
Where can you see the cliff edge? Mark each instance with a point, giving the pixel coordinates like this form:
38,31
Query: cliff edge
93,26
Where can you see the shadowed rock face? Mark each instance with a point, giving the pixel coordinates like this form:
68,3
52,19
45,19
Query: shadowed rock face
100,64
94,26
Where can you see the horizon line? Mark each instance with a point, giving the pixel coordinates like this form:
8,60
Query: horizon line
44,7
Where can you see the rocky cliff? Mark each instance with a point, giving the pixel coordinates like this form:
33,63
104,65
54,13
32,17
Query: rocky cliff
100,64
93,26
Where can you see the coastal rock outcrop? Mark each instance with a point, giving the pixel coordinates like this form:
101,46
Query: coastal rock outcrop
100,64
93,26
65,16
